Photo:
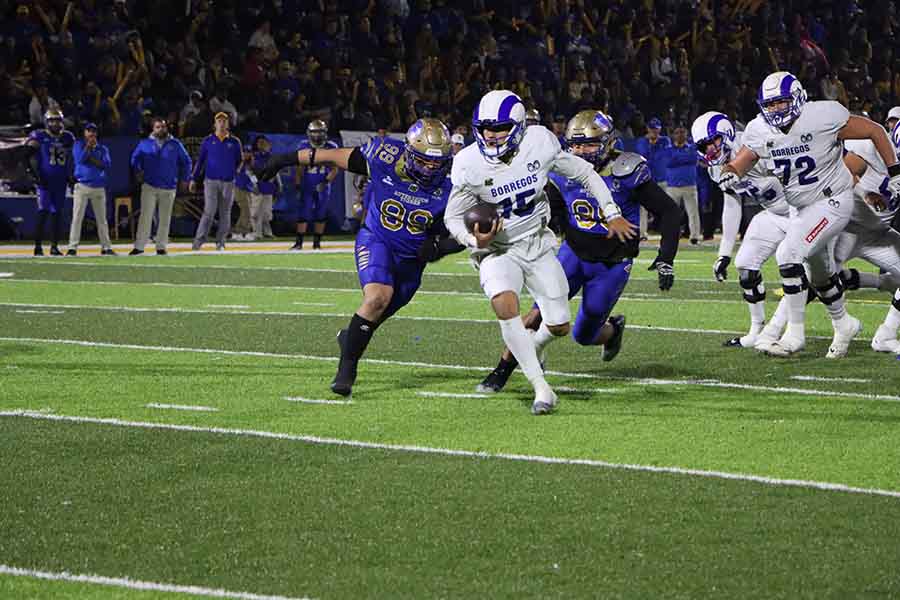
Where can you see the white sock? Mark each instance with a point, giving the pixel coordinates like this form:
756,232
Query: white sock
542,337
892,321
837,310
778,321
521,344
796,313
757,316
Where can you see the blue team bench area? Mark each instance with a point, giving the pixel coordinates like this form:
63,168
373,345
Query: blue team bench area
18,211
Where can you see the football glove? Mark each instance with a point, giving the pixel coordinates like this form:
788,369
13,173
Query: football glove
728,180
894,182
665,271
720,268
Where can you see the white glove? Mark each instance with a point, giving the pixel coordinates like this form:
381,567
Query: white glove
728,180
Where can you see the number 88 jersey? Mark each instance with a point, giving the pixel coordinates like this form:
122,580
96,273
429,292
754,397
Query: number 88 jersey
400,212
808,159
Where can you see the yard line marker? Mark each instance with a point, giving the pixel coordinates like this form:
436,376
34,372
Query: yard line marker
380,361
451,395
2,275
552,460
135,584
182,407
40,312
227,306
316,303
311,401
834,379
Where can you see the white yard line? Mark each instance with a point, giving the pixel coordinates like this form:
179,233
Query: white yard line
450,395
4,275
134,584
313,401
40,312
227,306
829,379
182,407
310,439
377,361
316,303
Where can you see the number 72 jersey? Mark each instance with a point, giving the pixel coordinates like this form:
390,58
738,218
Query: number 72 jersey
808,159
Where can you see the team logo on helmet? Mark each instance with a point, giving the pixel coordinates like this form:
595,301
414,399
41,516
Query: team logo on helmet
502,113
713,134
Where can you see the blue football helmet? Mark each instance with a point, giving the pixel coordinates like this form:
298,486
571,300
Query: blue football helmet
706,129
499,110
778,87
428,155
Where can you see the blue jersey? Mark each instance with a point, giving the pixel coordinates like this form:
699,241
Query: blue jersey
583,210
54,155
400,212
313,176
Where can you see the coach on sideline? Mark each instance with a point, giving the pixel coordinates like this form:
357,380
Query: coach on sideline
220,157
91,163
160,162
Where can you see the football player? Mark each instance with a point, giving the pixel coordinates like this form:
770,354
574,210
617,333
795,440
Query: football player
508,167
406,197
717,142
532,117
51,164
801,143
314,184
592,261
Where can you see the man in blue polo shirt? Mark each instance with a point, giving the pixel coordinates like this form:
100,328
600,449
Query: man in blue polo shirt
160,162
653,147
92,161
681,178
217,165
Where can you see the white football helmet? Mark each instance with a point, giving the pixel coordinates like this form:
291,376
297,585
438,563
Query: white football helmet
499,110
778,87
895,135
713,134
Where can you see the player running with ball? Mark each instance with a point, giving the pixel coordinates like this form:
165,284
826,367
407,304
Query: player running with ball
508,168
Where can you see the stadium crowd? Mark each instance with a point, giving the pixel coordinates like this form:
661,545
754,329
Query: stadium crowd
380,64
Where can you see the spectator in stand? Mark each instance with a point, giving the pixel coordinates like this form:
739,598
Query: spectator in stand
457,143
41,102
160,163
217,165
92,161
681,178
194,115
653,146
220,104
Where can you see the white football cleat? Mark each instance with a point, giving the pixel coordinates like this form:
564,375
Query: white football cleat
787,345
545,401
884,341
843,335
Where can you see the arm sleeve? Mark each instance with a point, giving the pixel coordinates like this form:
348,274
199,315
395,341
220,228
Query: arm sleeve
137,159
654,199
461,199
357,163
200,167
573,167
559,215
731,224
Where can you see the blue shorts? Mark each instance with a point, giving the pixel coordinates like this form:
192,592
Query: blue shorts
602,284
376,263
51,199
313,207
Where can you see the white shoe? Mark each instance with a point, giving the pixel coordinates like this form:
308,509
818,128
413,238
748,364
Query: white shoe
545,401
787,345
884,341
749,340
843,335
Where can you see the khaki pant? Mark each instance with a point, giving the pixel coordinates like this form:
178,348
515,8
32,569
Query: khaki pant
244,223
687,196
151,198
261,214
97,198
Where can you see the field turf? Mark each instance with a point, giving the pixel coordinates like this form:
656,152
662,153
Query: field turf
166,421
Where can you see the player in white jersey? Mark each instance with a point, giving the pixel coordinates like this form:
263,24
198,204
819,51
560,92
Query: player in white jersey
508,168
869,235
800,142
717,141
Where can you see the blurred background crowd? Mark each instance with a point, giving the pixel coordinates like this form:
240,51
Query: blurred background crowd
274,65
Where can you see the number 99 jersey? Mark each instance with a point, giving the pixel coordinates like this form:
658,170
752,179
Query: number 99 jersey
400,212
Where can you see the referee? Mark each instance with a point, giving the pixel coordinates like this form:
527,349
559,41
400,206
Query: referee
217,165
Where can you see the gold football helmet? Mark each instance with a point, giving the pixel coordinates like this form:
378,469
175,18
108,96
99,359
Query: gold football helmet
532,117
317,132
591,128
428,153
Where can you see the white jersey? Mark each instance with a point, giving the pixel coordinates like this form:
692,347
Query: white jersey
875,179
517,188
757,186
808,159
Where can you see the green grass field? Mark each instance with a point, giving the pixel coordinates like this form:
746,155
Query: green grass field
680,470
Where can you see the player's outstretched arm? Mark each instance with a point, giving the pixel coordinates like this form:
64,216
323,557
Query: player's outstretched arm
335,157
861,128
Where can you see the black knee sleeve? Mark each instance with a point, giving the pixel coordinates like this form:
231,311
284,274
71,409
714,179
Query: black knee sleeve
752,284
832,291
850,279
793,271
896,301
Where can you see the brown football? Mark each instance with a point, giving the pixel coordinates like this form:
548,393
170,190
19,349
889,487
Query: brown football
482,213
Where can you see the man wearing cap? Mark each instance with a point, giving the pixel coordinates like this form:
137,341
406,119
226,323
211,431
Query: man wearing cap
159,162
217,165
654,147
457,143
195,116
243,187
92,161
263,191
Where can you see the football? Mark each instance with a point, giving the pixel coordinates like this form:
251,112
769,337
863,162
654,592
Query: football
482,213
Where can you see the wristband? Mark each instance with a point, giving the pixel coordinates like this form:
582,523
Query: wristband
894,170
312,156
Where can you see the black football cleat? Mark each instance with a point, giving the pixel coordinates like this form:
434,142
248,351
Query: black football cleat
496,379
297,246
734,342
54,250
135,252
346,373
108,252
161,252
612,347
71,252
38,250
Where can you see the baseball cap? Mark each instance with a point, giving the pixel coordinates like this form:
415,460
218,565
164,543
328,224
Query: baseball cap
457,138
90,126
655,123
221,115
559,118
894,113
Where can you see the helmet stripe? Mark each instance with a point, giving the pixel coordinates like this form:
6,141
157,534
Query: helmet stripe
786,84
506,107
711,130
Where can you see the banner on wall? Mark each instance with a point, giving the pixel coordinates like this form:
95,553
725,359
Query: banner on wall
354,184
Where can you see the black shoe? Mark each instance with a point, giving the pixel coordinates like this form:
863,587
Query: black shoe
317,246
108,252
346,373
297,246
38,250
694,241
54,250
135,252
71,252
496,379
734,342
160,252
612,347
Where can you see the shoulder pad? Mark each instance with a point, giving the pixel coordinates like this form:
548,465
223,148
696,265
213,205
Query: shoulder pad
627,163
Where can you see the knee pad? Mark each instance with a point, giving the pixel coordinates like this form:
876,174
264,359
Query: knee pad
794,278
896,300
752,284
832,291
850,279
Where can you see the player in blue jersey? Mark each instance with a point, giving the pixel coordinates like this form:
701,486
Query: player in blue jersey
314,186
403,228
594,261
51,164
